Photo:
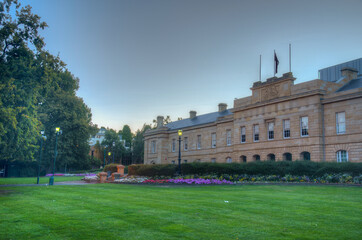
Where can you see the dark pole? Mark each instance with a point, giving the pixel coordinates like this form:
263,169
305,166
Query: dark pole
41,147
51,179
104,157
179,155
114,144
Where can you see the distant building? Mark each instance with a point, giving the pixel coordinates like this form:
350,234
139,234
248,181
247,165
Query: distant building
334,73
99,137
318,120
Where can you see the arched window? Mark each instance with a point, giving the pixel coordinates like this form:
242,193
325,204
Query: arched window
256,157
229,160
342,156
271,157
242,158
305,156
287,156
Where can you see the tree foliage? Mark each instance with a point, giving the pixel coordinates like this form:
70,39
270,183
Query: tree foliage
37,92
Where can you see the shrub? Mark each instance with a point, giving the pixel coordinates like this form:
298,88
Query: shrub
280,168
110,168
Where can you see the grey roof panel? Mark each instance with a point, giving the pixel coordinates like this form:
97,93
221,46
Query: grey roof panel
354,83
198,120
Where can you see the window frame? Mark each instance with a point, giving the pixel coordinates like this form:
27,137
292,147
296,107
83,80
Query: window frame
186,143
286,130
228,137
242,136
338,124
213,141
173,145
198,142
339,156
270,133
301,127
153,146
256,134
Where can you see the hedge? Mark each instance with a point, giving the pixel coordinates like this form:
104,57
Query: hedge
282,168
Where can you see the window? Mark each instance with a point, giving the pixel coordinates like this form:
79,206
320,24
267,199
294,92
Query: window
213,160
173,145
213,140
229,160
173,161
286,128
256,157
186,143
287,157
270,130
271,157
341,122
198,142
304,126
256,133
228,137
153,146
185,161
342,156
243,135
305,156
198,160
243,159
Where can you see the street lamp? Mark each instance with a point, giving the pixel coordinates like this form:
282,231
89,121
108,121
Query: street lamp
114,144
104,156
40,151
179,151
57,132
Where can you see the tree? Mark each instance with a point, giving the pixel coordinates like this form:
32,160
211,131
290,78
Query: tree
138,145
118,150
127,135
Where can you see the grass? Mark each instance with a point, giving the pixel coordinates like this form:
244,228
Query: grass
115,211
32,180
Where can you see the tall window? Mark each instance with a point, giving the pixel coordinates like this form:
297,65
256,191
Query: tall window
256,133
270,130
153,146
243,135
213,160
286,128
229,160
341,122
228,137
213,140
198,144
304,126
173,145
342,156
186,143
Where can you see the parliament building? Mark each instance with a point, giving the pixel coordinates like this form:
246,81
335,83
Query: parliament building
318,120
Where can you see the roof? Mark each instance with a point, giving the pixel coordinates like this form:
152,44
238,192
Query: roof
198,120
354,83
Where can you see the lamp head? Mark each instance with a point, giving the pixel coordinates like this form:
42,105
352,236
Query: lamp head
42,132
180,133
57,129
109,153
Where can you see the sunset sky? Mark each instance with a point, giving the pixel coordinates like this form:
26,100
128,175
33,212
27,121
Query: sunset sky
138,59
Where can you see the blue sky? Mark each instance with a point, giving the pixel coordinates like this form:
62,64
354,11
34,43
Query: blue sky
138,59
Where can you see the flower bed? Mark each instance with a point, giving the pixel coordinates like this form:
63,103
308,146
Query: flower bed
131,180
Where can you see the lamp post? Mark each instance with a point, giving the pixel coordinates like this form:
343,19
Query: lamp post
104,156
40,151
179,151
109,157
114,144
57,132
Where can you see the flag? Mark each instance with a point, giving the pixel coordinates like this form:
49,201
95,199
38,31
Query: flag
276,63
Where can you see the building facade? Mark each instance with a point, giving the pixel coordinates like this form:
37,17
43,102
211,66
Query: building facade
316,120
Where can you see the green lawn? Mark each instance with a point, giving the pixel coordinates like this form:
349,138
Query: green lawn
32,180
115,211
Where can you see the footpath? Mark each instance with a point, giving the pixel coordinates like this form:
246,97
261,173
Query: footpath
46,184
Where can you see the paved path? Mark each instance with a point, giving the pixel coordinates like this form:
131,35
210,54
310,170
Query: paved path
46,184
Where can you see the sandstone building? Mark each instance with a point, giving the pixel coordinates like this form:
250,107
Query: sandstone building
317,120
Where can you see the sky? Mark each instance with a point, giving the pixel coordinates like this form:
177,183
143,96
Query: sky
138,59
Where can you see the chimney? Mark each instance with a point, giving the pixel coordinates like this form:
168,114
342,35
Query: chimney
349,73
159,121
222,107
192,114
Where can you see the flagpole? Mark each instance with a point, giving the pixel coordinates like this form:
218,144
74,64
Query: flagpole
260,69
290,57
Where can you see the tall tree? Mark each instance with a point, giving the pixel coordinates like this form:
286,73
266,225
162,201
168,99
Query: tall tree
127,135
138,145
